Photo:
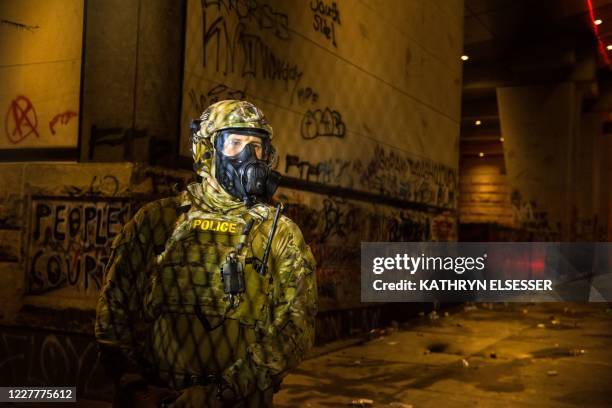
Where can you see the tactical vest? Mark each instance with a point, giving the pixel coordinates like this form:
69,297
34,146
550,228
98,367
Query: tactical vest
196,328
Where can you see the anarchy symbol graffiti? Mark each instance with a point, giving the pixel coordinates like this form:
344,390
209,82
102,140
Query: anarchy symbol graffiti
20,120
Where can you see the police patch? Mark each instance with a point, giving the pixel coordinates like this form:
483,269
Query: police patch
215,225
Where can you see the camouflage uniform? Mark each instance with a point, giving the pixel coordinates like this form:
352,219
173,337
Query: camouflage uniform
163,310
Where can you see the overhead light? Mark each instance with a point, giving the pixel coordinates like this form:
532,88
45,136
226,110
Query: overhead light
464,58
609,47
598,22
478,123
501,139
481,154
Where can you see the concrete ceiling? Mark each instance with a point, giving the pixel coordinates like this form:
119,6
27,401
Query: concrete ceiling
523,42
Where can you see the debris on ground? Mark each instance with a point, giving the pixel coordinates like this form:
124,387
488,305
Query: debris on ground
400,405
493,354
392,343
541,326
362,402
552,373
465,363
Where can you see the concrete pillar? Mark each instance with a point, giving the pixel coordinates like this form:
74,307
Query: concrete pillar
585,222
132,80
539,126
603,200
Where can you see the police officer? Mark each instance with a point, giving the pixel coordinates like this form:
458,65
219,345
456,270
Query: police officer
210,296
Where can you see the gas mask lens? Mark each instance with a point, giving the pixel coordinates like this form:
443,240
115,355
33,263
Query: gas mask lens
234,145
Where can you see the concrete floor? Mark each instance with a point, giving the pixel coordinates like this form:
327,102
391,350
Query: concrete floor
486,355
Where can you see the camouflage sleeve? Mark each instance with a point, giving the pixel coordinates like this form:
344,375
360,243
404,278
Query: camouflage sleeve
119,308
291,332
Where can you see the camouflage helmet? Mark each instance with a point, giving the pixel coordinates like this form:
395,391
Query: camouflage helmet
222,115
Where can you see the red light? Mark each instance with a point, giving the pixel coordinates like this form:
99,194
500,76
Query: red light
600,46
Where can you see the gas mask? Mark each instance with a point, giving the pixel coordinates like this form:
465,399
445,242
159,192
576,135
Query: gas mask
243,168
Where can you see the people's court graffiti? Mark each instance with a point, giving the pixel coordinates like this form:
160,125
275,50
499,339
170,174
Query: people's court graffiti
69,241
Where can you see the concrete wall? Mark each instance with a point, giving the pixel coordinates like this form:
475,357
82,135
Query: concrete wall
538,126
364,95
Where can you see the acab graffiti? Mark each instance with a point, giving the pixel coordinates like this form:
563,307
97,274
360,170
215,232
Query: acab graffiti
70,243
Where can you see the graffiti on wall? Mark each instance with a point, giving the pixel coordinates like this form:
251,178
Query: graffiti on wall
69,242
528,217
200,101
386,173
232,42
416,180
332,171
322,123
62,119
326,16
20,120
335,227
19,26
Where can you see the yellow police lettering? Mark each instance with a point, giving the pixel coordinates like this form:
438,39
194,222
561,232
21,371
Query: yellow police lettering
215,225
